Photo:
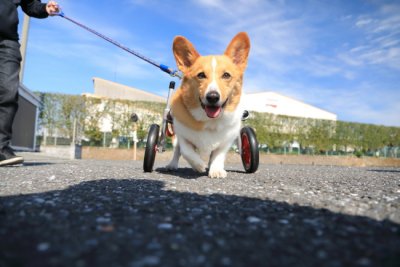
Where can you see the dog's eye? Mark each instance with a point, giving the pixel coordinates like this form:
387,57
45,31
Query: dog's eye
201,75
226,75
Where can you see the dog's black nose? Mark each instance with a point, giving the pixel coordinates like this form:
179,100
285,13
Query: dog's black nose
212,97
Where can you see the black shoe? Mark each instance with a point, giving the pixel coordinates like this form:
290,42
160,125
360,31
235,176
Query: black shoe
7,157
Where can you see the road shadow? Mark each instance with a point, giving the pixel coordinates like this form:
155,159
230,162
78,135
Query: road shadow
32,163
137,222
183,172
190,173
28,163
385,170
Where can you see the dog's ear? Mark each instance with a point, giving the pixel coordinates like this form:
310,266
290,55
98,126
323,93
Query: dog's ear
238,50
184,52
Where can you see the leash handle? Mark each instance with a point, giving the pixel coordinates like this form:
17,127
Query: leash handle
59,13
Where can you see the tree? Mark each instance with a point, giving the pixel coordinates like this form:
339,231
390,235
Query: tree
72,111
320,135
93,112
343,135
49,116
58,113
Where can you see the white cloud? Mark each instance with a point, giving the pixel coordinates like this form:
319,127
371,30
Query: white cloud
380,43
362,104
363,22
276,39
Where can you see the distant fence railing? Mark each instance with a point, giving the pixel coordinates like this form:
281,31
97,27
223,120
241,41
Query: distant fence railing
126,142
385,152
389,152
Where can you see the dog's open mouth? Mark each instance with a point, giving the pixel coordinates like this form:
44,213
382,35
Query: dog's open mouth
213,111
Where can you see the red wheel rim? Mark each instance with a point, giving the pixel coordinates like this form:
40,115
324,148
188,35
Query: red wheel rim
246,157
169,131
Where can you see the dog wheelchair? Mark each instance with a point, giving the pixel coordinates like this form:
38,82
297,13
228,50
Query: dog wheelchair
247,141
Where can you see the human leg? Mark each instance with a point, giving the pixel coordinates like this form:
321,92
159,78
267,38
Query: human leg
10,59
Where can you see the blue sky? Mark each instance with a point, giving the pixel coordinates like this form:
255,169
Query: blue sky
342,56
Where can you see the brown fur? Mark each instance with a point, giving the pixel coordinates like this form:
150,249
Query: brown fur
181,113
189,61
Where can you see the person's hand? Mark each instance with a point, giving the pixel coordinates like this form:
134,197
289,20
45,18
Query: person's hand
52,8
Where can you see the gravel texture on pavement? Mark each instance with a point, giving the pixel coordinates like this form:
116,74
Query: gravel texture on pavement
110,213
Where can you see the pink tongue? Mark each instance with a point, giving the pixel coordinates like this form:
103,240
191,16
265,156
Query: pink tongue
212,112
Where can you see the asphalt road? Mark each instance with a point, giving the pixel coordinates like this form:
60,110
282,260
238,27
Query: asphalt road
109,213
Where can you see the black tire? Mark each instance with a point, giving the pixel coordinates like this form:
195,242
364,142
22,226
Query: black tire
151,148
249,150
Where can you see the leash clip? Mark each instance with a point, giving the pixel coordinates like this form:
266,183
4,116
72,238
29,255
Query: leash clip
177,74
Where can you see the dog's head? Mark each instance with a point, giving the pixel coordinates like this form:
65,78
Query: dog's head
213,83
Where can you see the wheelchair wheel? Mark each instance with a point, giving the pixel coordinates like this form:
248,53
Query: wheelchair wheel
151,148
249,150
169,130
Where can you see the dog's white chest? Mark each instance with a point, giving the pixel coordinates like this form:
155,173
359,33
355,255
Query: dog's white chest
216,133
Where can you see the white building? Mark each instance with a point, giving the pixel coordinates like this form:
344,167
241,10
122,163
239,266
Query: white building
271,102
113,90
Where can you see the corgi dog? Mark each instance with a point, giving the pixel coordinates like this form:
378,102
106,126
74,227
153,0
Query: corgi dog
206,108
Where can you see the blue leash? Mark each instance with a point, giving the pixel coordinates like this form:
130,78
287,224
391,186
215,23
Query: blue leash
162,67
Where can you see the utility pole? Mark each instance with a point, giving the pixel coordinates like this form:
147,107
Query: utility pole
24,43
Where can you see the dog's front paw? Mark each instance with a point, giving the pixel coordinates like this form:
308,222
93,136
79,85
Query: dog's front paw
199,167
172,166
217,173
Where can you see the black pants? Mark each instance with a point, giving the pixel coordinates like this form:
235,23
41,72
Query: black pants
10,59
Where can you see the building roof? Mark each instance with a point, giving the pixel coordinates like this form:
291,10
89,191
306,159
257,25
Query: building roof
28,95
278,104
113,90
